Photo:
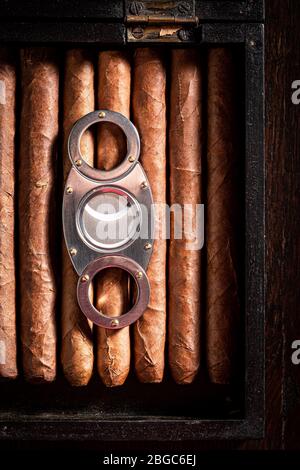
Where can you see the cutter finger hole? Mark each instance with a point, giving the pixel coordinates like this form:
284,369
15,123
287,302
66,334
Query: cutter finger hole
132,144
100,315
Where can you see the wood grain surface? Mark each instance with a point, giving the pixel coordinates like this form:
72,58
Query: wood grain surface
282,219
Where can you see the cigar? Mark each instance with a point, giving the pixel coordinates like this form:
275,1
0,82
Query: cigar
222,294
113,347
39,130
8,347
149,112
77,355
185,139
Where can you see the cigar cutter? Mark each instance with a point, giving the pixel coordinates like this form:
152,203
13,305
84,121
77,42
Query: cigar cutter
108,219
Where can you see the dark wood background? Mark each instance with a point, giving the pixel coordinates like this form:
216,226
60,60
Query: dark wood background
282,251
282,226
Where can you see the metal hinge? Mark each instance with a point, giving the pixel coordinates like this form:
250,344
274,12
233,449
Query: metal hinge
161,21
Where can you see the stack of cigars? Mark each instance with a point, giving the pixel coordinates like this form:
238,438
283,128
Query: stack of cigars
183,107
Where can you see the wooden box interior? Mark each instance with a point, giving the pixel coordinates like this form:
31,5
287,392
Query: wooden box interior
200,400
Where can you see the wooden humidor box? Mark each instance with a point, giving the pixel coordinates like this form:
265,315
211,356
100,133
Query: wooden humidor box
166,411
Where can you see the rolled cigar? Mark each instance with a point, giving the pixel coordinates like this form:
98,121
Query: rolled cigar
39,130
185,188
222,295
113,347
77,355
149,112
8,347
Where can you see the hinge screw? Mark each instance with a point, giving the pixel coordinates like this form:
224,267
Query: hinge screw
136,8
101,114
78,162
139,275
69,190
114,322
131,159
73,252
144,185
85,278
148,246
137,32
185,35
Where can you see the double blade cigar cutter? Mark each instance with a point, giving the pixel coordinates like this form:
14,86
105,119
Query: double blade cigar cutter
108,219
